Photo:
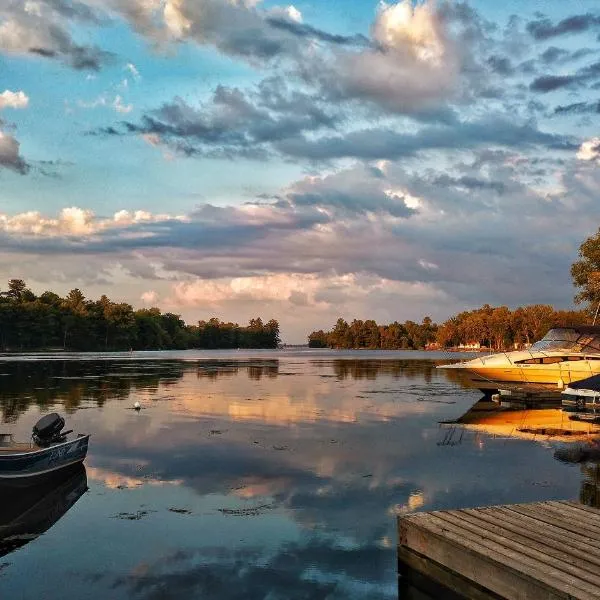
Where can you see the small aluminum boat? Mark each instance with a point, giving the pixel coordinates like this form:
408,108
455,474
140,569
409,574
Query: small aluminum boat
50,449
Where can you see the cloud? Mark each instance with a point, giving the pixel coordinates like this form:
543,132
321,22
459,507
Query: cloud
274,119
133,70
544,29
303,30
10,157
150,297
348,193
478,232
104,101
549,83
233,122
120,107
74,221
42,28
578,108
590,150
373,144
10,99
412,63
415,58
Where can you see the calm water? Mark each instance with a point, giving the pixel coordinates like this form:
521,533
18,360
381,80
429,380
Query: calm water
253,475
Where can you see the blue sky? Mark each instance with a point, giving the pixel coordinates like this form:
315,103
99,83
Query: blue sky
360,159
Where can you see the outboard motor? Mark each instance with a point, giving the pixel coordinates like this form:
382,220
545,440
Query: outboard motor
48,430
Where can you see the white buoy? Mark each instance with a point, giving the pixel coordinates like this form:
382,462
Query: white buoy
137,406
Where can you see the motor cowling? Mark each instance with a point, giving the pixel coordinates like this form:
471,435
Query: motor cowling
48,429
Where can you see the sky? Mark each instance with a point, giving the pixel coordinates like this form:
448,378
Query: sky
242,158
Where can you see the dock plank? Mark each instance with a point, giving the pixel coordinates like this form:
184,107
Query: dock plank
500,549
551,520
550,531
553,543
548,550
540,552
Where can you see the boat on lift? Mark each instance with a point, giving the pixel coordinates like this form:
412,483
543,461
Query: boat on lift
49,450
564,355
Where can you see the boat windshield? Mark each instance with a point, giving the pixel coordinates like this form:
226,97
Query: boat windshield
568,339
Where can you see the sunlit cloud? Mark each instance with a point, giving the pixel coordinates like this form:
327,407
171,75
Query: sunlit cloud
9,99
75,221
590,150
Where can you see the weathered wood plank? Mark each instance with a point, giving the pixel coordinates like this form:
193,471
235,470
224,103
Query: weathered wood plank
571,515
411,564
488,564
529,563
577,505
546,550
537,551
588,556
552,531
543,517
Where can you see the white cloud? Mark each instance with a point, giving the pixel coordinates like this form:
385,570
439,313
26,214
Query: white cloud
120,107
590,150
429,266
103,101
133,70
413,29
75,221
150,297
291,13
10,99
415,66
175,21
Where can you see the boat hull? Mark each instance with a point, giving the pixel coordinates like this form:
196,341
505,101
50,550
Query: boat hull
510,370
558,374
45,460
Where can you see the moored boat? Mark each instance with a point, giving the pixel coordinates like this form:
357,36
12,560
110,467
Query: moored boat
582,398
51,449
564,355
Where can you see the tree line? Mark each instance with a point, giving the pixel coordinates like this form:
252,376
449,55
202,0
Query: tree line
47,321
498,328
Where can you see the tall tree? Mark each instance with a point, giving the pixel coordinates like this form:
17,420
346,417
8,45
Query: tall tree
586,272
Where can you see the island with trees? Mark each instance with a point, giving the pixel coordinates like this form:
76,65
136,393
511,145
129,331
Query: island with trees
47,321
489,327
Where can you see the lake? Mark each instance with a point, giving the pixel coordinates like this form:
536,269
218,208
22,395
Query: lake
265,474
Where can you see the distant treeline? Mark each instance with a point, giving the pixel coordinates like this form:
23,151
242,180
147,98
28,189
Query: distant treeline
498,328
30,322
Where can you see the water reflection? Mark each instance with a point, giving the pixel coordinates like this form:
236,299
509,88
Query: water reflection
540,420
29,509
260,477
71,384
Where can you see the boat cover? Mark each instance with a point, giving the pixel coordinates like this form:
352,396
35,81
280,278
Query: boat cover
591,383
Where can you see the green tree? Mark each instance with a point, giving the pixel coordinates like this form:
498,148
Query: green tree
17,289
586,272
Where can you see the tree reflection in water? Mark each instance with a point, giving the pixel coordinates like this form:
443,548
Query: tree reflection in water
71,383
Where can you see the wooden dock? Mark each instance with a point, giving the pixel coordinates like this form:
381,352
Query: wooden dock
544,550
